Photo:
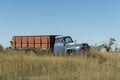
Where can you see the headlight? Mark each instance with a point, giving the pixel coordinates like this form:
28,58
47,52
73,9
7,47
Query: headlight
77,47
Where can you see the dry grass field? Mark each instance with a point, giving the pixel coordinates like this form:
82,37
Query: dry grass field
20,66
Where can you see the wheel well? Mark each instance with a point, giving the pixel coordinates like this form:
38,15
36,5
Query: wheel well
70,51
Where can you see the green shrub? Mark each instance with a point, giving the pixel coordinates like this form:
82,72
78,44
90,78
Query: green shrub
95,54
1,48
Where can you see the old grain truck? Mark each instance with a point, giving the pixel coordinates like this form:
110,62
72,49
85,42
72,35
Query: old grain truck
55,43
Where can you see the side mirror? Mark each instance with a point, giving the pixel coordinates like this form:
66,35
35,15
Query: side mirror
75,41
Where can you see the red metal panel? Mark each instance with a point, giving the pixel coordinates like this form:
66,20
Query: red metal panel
31,45
17,45
37,46
30,39
46,46
17,39
37,39
24,45
24,40
45,39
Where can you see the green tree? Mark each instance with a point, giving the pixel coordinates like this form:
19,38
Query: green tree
11,43
107,47
10,47
1,48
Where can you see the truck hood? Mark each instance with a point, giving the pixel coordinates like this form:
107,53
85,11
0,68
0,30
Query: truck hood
74,45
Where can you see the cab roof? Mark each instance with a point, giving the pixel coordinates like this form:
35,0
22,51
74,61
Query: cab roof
61,36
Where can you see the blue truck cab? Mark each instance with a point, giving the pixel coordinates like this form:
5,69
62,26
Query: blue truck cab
65,45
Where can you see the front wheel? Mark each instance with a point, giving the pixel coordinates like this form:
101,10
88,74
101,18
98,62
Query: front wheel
71,52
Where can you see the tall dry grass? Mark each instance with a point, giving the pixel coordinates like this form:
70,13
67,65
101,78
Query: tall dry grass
19,66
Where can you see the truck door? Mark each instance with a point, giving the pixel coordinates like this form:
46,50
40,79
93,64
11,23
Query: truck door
62,45
59,46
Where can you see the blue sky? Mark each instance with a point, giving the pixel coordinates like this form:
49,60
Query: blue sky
91,21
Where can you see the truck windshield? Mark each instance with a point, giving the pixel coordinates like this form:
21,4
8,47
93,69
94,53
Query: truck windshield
68,40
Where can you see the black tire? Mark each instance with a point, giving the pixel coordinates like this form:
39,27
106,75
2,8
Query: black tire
71,52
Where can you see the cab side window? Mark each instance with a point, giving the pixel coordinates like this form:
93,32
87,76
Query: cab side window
59,40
